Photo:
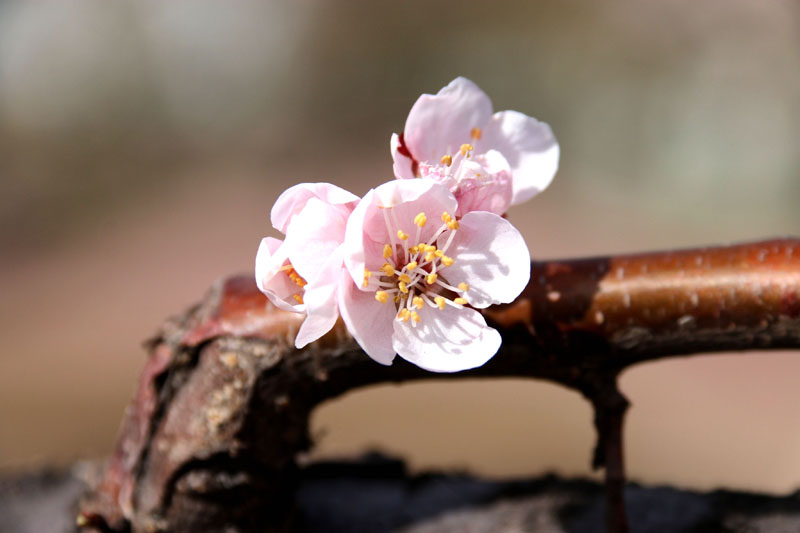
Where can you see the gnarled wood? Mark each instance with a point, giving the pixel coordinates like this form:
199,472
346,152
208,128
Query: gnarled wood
223,402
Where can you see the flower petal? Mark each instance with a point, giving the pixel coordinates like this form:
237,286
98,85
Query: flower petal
403,165
321,303
484,184
447,340
367,320
313,235
271,280
428,193
294,199
489,255
439,124
367,232
530,148
357,247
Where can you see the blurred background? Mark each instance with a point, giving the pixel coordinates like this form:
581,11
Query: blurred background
143,144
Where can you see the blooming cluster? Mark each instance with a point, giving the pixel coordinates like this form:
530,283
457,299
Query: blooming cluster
407,265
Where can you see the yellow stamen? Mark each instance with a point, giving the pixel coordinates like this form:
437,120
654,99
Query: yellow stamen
404,314
476,134
439,302
367,275
402,235
439,254
420,220
405,278
429,257
403,287
430,248
460,301
298,298
466,148
382,296
294,276
388,269
463,286
412,265
397,298
453,224
414,249
418,302
447,261
431,278
387,251
446,217
446,160
415,317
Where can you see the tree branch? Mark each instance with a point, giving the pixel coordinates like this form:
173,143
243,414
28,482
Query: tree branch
222,408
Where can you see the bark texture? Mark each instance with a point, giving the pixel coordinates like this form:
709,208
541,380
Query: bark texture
209,441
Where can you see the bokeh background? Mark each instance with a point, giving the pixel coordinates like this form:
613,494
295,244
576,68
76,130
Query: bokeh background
143,144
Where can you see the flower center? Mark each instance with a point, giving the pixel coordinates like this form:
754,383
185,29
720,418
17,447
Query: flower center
413,276
296,278
456,167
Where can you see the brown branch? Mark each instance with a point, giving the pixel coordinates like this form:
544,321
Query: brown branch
222,408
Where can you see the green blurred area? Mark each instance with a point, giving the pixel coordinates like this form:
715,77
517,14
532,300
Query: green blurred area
142,145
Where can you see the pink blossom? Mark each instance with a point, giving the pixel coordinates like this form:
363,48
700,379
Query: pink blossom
417,273
301,273
456,128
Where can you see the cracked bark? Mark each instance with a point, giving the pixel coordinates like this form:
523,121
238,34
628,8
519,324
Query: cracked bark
210,438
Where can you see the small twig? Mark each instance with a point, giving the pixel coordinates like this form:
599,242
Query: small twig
223,402
609,407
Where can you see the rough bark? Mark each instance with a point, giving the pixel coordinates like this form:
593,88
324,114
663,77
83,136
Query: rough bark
222,408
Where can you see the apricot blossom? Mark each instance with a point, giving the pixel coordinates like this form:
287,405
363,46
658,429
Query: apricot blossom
301,273
417,274
456,128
